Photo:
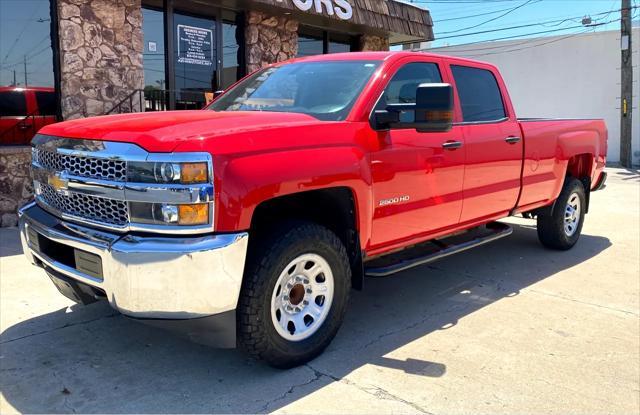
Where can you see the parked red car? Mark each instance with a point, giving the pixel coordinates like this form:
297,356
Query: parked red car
252,219
23,111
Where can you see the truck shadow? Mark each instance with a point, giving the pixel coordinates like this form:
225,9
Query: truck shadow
92,360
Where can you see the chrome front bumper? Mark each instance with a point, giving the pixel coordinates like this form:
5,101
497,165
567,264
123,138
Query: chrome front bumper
147,277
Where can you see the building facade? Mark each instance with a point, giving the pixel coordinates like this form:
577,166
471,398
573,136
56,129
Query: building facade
566,76
96,57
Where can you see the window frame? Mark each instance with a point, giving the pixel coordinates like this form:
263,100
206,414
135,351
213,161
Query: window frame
458,101
445,77
326,37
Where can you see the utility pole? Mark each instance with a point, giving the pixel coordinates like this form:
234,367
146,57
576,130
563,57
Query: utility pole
626,74
14,77
25,71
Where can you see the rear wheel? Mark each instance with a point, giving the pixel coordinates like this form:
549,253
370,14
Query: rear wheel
294,295
561,228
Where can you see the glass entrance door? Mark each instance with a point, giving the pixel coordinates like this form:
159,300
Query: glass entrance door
195,63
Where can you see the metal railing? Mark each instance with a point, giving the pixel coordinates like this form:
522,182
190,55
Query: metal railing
148,100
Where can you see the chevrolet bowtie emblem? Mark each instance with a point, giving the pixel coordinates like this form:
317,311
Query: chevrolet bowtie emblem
58,181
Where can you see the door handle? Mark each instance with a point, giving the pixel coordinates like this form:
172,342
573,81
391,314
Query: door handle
452,145
24,127
512,139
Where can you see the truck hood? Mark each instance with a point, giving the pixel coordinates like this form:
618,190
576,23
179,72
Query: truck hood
164,131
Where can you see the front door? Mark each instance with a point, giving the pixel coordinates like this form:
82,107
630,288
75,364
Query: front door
417,182
195,62
493,145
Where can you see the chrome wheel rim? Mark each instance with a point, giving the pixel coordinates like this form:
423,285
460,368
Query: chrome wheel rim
572,215
302,297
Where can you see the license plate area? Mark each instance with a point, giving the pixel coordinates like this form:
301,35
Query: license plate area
82,261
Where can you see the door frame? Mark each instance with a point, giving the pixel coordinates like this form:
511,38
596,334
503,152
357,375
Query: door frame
215,13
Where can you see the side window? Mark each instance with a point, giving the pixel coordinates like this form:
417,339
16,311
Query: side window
479,94
46,102
13,103
402,87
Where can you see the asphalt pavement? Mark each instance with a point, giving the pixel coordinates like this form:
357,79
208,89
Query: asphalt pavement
510,327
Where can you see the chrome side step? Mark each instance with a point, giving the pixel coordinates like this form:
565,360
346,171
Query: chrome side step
433,250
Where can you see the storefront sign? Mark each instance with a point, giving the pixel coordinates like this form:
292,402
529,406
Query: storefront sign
195,45
340,8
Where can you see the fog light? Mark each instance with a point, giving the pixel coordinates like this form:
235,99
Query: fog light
197,214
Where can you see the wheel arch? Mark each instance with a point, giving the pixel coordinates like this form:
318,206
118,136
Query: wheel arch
335,208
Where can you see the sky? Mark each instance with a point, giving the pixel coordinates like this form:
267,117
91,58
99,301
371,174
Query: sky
25,28
459,21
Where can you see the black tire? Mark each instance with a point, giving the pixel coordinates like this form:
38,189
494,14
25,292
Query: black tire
551,226
267,260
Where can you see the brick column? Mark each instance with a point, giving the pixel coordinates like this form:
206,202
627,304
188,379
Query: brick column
269,39
101,47
373,43
15,182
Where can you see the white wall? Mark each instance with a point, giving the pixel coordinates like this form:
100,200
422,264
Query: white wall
576,77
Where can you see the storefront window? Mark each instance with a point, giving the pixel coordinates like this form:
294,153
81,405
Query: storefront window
310,42
313,41
232,59
27,95
154,60
154,56
339,43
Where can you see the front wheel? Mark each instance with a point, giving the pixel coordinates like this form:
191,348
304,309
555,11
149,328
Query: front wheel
294,295
561,228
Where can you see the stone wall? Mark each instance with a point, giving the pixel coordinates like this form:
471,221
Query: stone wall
373,43
101,47
269,39
15,182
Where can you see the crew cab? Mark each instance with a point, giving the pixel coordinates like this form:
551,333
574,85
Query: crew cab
250,221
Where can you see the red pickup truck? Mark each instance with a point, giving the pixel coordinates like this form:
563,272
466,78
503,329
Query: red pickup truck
252,219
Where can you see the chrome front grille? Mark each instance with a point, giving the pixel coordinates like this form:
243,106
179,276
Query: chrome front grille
86,182
93,167
98,209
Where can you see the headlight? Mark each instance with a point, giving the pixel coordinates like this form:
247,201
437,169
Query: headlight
166,172
168,214
178,176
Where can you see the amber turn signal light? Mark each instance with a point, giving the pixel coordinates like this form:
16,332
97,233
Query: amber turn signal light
197,214
194,173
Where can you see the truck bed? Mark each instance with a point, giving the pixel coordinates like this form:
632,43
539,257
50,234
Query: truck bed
550,143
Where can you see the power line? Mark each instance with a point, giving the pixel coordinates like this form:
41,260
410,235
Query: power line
520,27
511,10
22,32
532,46
470,16
521,35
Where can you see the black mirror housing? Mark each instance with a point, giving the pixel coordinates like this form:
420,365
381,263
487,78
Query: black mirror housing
433,110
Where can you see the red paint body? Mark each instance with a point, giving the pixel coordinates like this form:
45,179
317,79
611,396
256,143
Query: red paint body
19,129
261,155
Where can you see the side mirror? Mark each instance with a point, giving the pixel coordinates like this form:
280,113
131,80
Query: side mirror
433,111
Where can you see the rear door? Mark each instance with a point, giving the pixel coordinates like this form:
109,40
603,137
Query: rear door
13,110
492,141
417,183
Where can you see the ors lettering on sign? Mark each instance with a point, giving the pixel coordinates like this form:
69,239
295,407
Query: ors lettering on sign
340,8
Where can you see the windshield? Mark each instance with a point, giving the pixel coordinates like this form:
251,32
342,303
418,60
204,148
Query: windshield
325,90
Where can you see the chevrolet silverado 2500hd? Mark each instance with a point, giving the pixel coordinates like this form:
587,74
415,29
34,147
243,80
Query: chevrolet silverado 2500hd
252,219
